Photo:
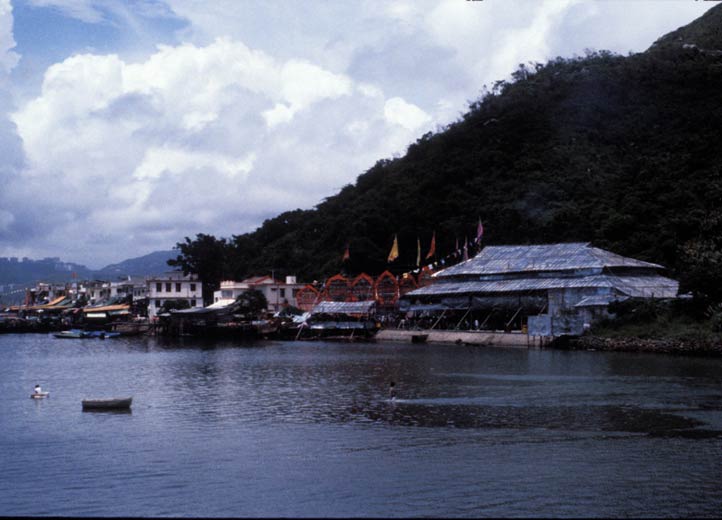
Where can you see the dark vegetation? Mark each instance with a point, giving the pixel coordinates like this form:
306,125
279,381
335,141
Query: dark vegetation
620,151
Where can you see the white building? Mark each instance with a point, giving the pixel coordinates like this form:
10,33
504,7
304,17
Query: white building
97,291
173,285
278,294
134,285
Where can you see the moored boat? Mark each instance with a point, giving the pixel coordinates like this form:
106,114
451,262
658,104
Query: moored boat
39,395
117,403
83,334
72,333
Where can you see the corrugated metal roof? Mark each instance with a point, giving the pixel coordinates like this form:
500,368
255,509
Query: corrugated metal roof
194,310
544,257
660,286
361,307
599,301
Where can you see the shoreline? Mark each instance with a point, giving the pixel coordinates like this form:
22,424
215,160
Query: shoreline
674,346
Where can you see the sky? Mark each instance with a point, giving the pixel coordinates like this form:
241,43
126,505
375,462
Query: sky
127,125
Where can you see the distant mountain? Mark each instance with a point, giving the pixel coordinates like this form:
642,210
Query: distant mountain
25,270
152,263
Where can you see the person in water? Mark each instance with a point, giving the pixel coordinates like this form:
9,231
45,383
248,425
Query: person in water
38,390
392,390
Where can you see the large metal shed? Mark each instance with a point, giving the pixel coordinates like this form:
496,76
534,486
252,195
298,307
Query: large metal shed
568,282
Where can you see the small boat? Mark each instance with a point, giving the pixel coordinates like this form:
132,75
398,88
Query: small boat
72,333
118,403
39,395
101,334
81,334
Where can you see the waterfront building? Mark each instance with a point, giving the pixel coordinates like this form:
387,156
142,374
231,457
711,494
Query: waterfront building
97,291
278,294
134,286
549,289
173,285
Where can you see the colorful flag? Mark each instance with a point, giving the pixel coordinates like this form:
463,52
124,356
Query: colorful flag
394,253
479,231
346,254
466,248
432,247
418,251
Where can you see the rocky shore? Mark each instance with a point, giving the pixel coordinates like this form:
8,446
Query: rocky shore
687,347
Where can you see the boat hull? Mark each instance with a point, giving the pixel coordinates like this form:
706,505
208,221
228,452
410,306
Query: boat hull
107,404
40,395
84,334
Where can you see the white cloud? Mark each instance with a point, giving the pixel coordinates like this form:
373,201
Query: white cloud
8,58
176,161
280,113
194,139
411,117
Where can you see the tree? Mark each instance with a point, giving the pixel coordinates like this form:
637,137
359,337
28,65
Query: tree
205,256
174,305
252,303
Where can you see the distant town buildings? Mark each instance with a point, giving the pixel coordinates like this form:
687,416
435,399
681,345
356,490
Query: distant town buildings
278,293
173,285
546,290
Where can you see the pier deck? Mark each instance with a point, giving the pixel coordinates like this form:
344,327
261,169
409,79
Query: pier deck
487,338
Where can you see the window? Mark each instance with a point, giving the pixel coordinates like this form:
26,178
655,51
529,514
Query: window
177,287
158,287
193,287
157,304
282,292
193,303
167,286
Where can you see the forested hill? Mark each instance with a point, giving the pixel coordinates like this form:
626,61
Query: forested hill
621,151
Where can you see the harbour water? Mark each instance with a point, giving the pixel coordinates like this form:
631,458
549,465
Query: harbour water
307,429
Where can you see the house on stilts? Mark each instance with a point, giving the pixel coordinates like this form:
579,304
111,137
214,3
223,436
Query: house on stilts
545,290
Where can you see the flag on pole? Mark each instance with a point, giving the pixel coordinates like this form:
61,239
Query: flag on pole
346,254
432,247
479,231
466,248
394,253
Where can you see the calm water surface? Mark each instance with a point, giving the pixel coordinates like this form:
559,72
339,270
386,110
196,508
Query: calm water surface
307,429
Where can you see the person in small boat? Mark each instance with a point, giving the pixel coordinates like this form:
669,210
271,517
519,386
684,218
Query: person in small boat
38,390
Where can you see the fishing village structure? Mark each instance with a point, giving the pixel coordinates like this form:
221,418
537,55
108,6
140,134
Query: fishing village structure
520,295
538,291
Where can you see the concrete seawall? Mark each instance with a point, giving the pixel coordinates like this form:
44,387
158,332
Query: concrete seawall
496,339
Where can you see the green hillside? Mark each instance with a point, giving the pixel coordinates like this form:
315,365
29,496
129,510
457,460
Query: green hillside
621,151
